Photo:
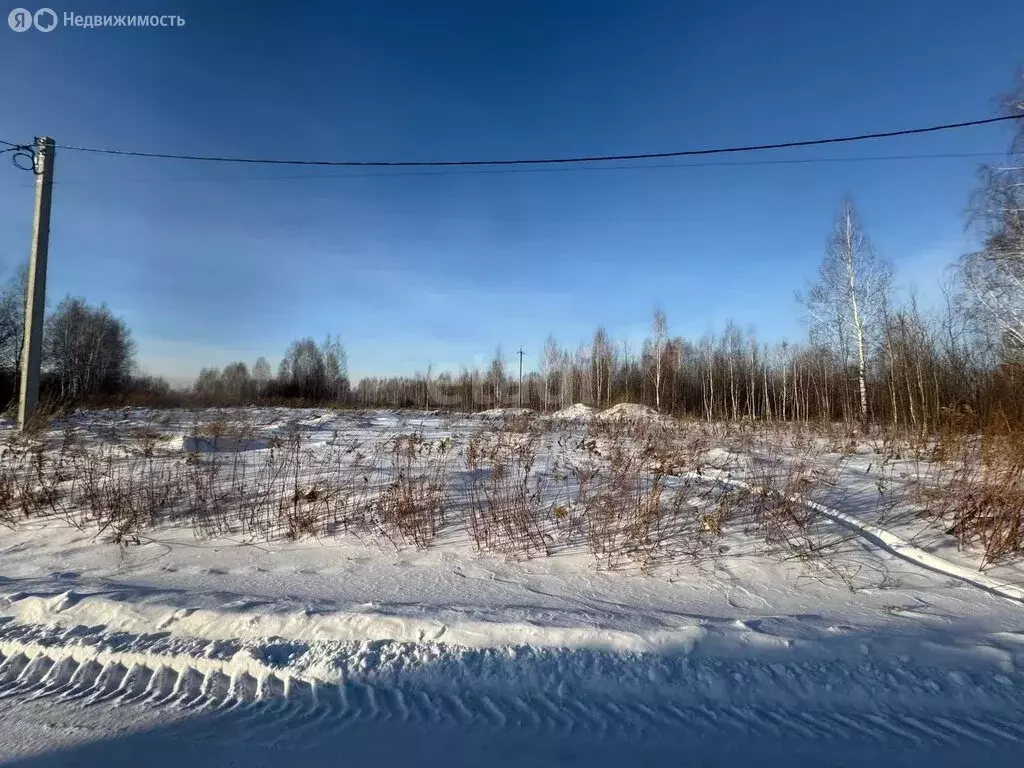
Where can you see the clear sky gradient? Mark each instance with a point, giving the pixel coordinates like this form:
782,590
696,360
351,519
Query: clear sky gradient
211,263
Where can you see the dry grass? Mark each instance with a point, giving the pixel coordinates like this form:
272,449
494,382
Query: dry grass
412,506
505,494
631,494
983,500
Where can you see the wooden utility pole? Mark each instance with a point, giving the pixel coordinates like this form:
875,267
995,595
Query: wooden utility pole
520,353
35,300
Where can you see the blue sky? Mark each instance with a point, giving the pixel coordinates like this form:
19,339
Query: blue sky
211,263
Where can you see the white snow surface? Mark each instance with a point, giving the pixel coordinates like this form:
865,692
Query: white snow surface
632,412
899,652
505,413
575,412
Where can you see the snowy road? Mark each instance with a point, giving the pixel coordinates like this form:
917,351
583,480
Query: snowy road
105,735
81,697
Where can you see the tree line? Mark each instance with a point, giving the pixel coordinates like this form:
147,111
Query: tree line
89,356
86,350
310,372
867,356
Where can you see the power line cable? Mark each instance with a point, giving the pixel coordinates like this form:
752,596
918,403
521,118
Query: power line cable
550,160
556,169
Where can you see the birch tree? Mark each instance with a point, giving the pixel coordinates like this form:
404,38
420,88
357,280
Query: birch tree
707,354
236,382
261,375
335,368
12,321
549,365
496,377
601,362
659,336
850,296
87,349
993,276
302,369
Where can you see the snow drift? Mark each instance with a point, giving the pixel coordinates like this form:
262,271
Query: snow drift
632,412
577,412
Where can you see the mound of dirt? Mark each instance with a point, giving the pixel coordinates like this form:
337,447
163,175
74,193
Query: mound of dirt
577,412
631,412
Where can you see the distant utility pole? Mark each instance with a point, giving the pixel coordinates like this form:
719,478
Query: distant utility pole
520,353
35,300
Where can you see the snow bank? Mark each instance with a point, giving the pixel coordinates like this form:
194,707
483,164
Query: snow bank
577,412
242,623
631,412
319,688
505,413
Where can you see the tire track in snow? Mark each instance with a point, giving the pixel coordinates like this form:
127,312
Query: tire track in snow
278,707
888,541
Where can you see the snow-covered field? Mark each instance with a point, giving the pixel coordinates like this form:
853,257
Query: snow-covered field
280,587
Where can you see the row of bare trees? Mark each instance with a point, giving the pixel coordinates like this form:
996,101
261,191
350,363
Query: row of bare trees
922,369
86,350
308,371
